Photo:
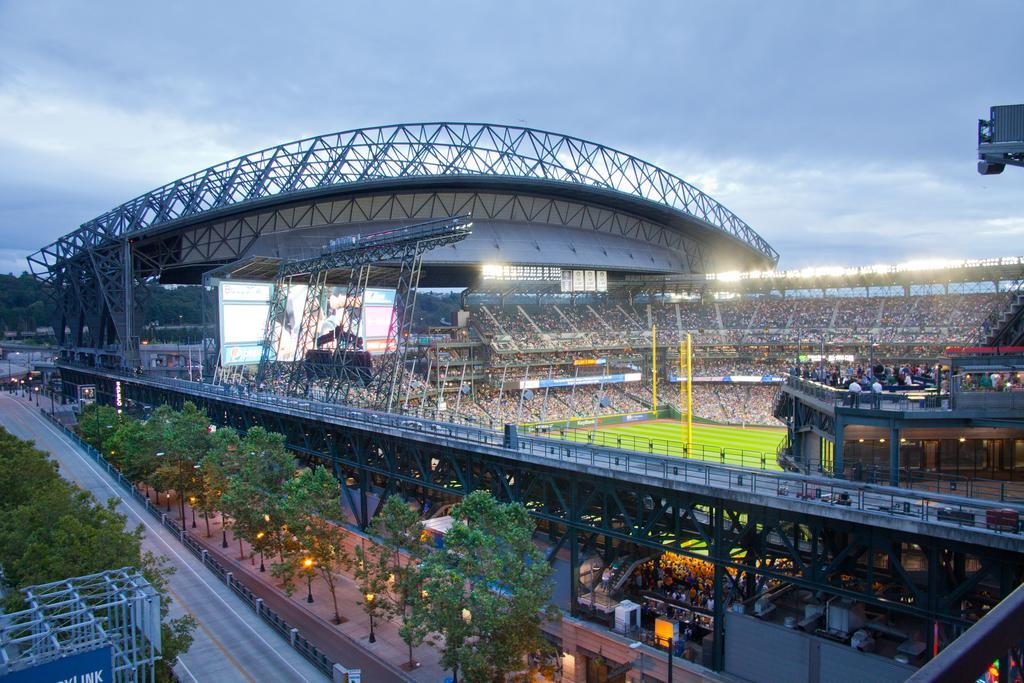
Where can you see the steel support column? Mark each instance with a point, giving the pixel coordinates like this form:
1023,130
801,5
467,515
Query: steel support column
720,553
894,456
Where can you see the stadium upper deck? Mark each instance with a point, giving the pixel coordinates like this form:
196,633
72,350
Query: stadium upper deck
536,197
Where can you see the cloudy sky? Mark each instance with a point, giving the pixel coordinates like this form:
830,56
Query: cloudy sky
844,134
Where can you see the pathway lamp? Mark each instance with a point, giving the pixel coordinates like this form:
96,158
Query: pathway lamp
259,538
308,565
370,597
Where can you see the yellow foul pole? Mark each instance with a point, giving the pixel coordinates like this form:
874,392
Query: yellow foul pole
654,363
680,374
689,392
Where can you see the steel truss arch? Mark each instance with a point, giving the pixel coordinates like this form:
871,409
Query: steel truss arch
371,156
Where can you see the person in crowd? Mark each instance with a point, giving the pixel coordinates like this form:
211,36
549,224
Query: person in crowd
876,394
855,390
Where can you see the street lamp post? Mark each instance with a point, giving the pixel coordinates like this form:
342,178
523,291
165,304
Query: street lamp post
370,597
308,564
192,504
259,537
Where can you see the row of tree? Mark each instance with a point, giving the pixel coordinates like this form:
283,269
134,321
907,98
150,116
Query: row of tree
24,306
481,598
50,530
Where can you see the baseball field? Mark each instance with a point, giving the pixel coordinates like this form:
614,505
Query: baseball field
729,444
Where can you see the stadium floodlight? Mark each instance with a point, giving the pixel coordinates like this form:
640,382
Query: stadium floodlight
817,272
1001,139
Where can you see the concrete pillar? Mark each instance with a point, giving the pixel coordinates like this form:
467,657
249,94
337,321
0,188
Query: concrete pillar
718,591
291,636
574,571
796,447
894,456
259,606
837,451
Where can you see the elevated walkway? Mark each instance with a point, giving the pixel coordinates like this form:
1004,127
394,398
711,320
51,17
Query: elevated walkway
917,512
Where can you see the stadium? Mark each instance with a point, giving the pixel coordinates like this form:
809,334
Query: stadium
583,268
614,321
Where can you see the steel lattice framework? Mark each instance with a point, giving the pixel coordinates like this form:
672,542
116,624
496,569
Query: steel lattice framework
420,150
100,275
118,608
405,246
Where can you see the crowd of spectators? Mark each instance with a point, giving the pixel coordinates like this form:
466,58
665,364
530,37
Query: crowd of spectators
888,377
727,403
992,381
953,318
685,580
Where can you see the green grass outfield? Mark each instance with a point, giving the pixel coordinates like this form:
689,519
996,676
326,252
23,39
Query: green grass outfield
748,447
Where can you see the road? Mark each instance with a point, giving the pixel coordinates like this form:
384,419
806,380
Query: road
231,643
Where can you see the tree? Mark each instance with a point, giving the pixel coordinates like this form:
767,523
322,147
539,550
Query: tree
25,470
310,513
215,470
398,532
62,531
132,451
372,572
51,530
184,438
254,495
96,425
488,589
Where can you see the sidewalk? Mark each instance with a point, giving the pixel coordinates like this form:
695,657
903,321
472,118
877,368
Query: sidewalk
347,642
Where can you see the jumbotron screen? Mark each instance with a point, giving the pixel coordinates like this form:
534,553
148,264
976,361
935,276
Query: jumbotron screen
243,320
243,317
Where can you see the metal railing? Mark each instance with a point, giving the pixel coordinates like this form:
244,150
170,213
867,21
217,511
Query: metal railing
877,502
315,657
940,482
927,399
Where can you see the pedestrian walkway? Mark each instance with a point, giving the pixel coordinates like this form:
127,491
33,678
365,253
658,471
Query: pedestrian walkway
343,642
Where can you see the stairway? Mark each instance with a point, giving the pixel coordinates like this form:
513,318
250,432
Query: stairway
526,315
1008,327
600,319
568,322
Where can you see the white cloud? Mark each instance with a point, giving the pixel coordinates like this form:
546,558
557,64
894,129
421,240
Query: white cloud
1005,226
67,133
854,211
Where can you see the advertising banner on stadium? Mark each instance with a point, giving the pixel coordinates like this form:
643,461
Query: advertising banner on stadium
832,357
577,280
579,381
734,379
566,280
92,666
244,307
243,319
585,281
